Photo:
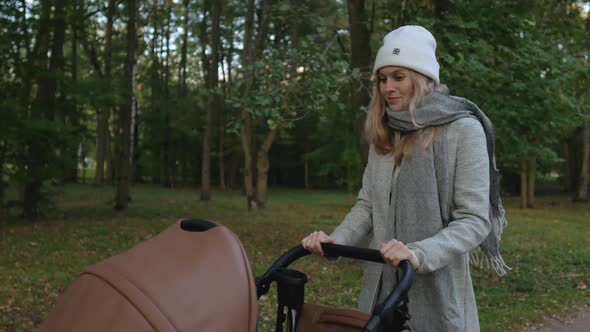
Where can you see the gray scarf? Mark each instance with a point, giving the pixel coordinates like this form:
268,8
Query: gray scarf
437,109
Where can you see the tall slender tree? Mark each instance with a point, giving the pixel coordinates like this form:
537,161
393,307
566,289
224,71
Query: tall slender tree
103,112
159,175
213,100
167,163
182,69
253,47
43,111
247,60
582,192
360,64
72,117
227,56
122,195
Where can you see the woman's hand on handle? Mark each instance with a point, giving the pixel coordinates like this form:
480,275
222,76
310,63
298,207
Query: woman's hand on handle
394,252
313,242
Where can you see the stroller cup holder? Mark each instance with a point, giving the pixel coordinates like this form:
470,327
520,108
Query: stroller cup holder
391,315
291,287
291,293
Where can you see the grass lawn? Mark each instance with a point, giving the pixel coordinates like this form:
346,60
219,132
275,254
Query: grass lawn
548,249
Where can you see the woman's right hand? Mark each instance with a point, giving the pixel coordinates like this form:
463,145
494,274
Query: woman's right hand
313,242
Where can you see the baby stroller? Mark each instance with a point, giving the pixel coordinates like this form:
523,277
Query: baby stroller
195,276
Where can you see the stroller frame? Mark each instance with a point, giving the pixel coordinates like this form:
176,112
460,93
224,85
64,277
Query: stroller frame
390,315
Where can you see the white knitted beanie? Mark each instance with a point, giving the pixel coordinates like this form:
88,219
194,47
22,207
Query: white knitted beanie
409,46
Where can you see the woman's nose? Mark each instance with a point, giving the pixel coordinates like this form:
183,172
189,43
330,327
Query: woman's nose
390,86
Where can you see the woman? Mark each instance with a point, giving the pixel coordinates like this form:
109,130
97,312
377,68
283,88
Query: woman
430,190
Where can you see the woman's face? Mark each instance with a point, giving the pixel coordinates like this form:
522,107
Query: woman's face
395,86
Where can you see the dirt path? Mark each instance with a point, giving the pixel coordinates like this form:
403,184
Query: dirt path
578,322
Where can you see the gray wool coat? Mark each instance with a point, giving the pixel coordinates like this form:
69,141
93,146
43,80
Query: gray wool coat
442,297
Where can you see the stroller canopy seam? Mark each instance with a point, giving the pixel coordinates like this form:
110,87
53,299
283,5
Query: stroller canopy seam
126,287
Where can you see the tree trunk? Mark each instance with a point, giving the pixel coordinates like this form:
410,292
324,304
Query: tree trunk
126,110
252,49
206,160
234,168
212,99
134,168
246,141
44,107
360,63
183,88
523,184
30,58
401,17
105,127
135,173
71,150
184,169
306,172
158,175
103,112
182,77
36,57
165,173
532,170
582,191
350,177
567,176
3,149
109,157
245,135
226,81
100,148
183,50
262,167
168,163
221,157
82,153
109,42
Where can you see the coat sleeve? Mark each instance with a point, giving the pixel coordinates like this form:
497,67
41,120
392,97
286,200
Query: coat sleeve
358,223
469,218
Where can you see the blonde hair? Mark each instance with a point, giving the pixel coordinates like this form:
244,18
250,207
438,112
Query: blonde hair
384,139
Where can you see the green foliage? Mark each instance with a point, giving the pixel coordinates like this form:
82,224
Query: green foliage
301,86
335,154
524,62
523,70
291,84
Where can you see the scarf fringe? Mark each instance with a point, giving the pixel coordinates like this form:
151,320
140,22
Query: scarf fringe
485,257
482,260
498,218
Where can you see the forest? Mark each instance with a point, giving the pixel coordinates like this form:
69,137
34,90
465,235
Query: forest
243,95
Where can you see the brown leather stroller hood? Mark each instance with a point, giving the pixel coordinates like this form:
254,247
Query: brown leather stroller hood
187,279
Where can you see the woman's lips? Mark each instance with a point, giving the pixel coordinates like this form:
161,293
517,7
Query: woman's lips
394,100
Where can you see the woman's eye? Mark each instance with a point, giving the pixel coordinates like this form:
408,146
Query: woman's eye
382,79
399,78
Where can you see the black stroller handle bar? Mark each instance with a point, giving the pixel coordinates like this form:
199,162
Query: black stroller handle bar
331,251
382,312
